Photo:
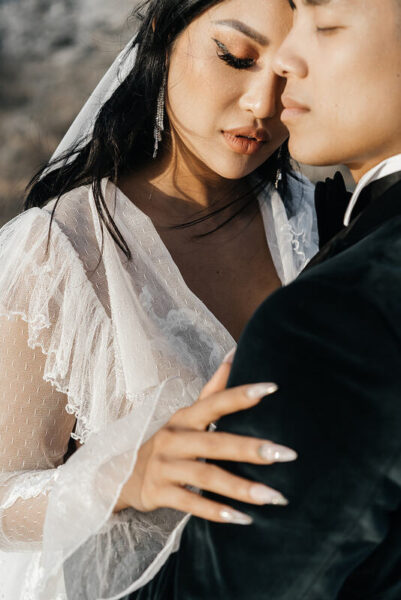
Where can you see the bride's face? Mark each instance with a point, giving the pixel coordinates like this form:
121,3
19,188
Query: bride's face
223,98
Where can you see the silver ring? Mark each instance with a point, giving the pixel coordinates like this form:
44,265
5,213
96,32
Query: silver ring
212,427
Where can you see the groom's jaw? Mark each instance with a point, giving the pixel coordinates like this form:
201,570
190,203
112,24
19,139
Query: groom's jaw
342,62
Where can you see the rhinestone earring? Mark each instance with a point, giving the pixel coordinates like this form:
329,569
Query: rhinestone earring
159,125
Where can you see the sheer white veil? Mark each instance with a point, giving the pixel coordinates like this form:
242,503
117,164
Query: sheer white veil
82,127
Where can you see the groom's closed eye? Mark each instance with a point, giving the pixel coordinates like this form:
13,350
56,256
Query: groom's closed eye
309,3
316,2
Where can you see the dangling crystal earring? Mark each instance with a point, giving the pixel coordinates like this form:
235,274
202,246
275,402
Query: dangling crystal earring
159,125
279,174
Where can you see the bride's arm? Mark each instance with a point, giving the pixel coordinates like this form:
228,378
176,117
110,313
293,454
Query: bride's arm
34,432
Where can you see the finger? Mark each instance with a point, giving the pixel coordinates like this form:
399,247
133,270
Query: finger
181,499
205,410
219,380
214,479
185,444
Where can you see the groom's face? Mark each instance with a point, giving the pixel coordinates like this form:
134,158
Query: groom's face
342,62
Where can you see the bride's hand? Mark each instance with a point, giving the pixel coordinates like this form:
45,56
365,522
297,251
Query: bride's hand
169,460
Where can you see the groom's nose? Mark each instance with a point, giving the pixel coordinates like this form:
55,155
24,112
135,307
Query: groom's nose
288,62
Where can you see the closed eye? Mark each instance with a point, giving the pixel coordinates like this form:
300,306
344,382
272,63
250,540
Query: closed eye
231,60
327,29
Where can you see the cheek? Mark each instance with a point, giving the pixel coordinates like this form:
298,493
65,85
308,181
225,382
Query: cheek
198,92
358,107
347,125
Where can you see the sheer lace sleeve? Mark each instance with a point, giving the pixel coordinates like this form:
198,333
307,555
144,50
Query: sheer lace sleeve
50,321
35,429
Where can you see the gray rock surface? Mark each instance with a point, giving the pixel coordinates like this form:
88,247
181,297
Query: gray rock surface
52,54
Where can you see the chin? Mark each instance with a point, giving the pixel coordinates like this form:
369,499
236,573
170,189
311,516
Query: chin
304,149
236,171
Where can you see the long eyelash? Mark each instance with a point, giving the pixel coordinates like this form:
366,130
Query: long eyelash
327,29
231,60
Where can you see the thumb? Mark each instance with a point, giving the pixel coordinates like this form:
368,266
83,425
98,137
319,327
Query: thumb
219,380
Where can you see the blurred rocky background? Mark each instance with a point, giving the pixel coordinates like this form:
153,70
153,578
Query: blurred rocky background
52,54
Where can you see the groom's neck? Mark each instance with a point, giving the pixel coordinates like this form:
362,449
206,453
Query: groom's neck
359,169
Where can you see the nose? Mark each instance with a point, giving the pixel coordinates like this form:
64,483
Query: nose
288,62
263,95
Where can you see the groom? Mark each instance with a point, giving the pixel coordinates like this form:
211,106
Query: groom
331,340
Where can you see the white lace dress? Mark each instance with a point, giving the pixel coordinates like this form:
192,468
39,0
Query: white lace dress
118,350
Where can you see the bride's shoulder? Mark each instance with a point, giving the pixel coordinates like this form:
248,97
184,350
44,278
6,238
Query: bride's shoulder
68,212
72,213
61,231
76,198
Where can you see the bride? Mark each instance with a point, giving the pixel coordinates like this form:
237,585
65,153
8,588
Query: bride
168,213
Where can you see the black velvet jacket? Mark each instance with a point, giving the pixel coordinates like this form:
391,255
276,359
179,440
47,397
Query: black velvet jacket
332,341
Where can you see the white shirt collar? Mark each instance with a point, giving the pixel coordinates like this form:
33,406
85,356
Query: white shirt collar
387,167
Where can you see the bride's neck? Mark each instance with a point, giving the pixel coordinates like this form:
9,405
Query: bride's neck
179,186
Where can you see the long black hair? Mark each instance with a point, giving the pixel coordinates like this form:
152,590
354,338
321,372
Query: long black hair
123,131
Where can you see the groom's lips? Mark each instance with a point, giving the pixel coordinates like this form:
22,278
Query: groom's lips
292,109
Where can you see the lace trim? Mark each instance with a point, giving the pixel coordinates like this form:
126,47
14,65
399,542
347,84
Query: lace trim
72,330
31,486
174,327
298,240
302,224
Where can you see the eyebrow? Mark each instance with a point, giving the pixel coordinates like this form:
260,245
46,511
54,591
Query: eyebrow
245,29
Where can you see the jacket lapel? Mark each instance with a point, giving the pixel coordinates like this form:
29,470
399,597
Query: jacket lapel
378,202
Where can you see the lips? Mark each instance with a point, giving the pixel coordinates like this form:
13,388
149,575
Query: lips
289,102
259,135
246,140
292,108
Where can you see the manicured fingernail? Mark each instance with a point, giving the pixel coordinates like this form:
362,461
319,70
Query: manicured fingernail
275,453
234,516
266,495
260,390
229,358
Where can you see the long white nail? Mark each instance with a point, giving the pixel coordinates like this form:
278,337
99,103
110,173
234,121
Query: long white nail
265,495
234,516
229,358
275,453
259,390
